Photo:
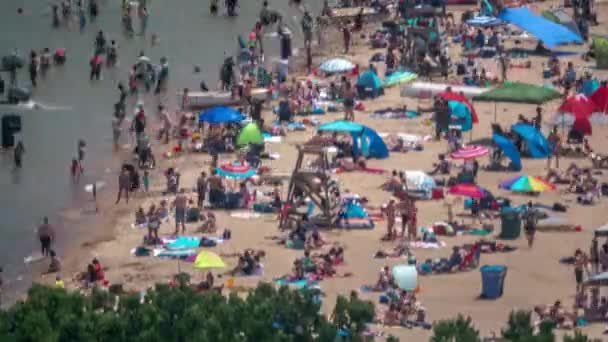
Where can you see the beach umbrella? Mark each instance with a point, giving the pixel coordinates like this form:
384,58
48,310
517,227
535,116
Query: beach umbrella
250,134
467,190
470,152
452,96
341,126
206,260
143,59
508,148
398,77
527,184
406,277
220,115
235,170
600,98
336,65
578,105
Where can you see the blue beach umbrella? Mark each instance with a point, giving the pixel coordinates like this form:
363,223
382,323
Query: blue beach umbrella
220,115
509,149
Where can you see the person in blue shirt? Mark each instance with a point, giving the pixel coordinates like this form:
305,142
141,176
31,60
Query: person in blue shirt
480,39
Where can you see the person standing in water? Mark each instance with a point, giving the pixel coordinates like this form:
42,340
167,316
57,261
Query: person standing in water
33,68
46,235
80,150
143,21
213,7
45,61
18,154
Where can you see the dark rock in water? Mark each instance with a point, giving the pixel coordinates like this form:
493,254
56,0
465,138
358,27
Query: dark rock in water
197,69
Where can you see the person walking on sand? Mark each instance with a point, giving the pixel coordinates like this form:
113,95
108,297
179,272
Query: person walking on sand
530,217
346,35
46,235
555,143
124,184
18,154
180,203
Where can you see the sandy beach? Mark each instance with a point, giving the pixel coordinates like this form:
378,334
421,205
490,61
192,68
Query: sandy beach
534,276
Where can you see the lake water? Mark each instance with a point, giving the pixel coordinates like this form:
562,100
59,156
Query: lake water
188,35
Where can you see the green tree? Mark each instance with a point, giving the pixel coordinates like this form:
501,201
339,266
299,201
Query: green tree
520,328
459,329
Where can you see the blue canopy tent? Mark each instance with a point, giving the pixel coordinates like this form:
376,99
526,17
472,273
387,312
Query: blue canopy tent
538,146
509,149
461,112
220,115
366,141
369,84
550,33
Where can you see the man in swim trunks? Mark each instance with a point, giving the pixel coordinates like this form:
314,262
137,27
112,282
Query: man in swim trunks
46,235
180,203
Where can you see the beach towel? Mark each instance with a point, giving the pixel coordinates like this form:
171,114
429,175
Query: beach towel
182,253
302,283
394,114
427,245
182,242
366,170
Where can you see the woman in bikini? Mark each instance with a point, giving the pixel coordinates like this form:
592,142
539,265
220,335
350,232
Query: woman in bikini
349,102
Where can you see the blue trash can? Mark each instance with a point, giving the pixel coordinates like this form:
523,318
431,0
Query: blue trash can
492,281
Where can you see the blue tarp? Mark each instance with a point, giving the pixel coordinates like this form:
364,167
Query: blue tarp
509,149
220,115
538,146
550,33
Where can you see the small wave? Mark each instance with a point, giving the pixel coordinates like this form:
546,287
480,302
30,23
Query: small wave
32,105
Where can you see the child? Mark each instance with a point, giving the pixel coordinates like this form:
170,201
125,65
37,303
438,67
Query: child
146,181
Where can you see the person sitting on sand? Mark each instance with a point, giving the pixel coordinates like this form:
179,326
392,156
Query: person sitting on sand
247,264
336,254
393,183
99,270
314,241
442,167
209,225
385,279
392,316
206,284
140,217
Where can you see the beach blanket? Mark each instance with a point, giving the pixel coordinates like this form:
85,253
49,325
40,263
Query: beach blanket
427,245
182,242
555,224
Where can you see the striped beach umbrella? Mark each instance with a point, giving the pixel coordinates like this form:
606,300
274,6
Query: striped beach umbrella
470,152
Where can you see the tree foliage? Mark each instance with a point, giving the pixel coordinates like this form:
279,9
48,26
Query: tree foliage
460,329
178,314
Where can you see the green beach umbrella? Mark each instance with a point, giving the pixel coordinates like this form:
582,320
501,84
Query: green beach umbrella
250,134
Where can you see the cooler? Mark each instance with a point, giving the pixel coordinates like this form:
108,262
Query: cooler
492,281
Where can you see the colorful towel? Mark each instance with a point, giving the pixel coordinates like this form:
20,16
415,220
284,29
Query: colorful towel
183,242
164,253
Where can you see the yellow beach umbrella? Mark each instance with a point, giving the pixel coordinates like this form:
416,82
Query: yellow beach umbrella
205,260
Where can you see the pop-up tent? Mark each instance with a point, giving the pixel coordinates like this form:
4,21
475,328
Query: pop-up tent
366,141
370,84
548,32
538,146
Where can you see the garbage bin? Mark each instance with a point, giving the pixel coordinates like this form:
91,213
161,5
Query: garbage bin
492,281
510,221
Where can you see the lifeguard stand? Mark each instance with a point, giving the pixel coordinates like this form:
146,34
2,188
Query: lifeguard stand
315,184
